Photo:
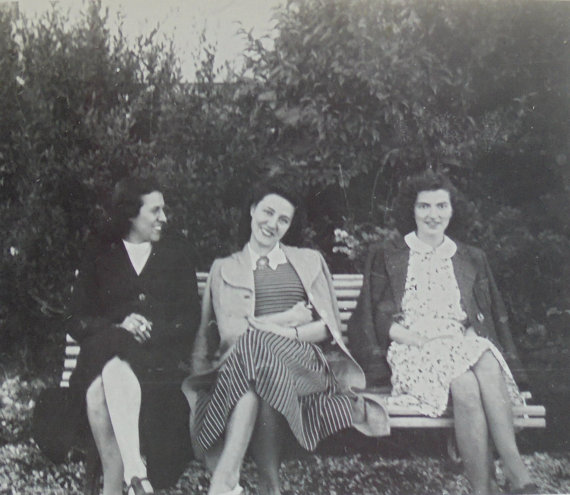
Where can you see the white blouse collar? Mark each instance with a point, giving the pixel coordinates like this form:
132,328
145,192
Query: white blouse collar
445,250
138,254
137,246
276,257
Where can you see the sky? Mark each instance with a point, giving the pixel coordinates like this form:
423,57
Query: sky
183,20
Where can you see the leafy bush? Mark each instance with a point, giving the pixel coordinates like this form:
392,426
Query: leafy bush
352,96
356,243
82,114
18,398
359,94
526,264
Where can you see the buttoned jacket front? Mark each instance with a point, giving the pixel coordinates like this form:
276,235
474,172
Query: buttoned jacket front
383,290
165,292
229,298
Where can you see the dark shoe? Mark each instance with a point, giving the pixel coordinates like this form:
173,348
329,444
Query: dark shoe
528,489
136,487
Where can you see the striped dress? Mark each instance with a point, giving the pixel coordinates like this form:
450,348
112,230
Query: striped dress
292,376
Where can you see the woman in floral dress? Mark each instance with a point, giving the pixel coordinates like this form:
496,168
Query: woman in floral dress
430,309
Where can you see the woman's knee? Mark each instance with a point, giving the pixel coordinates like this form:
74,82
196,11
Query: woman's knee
95,396
116,370
114,366
487,365
465,391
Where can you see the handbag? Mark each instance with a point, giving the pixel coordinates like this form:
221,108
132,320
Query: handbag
56,423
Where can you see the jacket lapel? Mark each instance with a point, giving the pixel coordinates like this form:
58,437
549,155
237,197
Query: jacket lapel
305,266
465,272
237,270
238,273
117,263
397,257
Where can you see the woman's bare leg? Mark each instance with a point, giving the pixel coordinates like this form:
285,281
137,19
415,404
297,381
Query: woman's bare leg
102,429
499,414
212,456
266,448
123,395
238,435
471,431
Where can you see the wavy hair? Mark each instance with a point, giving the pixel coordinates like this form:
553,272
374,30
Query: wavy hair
126,202
281,186
403,211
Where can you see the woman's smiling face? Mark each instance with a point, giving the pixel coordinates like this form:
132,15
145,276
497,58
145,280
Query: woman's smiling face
147,225
432,212
270,221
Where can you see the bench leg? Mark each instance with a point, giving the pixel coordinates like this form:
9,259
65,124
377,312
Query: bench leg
92,480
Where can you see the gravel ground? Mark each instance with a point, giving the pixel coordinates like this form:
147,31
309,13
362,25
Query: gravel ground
404,463
24,470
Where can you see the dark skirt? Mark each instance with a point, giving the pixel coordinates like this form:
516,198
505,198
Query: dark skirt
163,421
293,377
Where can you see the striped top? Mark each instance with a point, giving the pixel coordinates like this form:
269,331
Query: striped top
277,290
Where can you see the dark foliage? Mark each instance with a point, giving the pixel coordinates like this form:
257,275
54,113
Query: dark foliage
352,96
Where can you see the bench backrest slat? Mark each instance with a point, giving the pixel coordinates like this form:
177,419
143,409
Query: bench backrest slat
347,288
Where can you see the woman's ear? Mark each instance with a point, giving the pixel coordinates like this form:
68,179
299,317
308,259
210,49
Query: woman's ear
252,209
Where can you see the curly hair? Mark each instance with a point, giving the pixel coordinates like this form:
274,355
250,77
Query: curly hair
126,201
403,211
281,186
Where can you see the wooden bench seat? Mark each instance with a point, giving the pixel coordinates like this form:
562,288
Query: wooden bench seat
347,288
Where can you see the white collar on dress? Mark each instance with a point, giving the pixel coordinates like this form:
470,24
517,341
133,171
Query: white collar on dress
276,257
445,250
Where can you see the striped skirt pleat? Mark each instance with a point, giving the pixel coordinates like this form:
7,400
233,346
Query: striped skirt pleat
293,377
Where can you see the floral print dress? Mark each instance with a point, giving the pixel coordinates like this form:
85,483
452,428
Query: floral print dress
421,376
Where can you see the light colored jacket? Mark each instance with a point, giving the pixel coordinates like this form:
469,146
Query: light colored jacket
229,298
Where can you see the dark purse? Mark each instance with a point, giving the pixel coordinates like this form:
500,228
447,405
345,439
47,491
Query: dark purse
56,423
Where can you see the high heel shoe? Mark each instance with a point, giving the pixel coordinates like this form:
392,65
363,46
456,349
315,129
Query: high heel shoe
136,487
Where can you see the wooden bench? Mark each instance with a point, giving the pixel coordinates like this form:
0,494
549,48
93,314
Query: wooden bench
347,288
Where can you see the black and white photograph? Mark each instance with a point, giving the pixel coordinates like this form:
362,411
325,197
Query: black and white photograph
284,247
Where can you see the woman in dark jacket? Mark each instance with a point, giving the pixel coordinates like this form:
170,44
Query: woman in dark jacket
430,313
134,311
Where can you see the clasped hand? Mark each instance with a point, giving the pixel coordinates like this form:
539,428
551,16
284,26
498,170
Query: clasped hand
279,323
138,326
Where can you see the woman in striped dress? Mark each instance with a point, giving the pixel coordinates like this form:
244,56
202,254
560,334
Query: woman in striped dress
270,308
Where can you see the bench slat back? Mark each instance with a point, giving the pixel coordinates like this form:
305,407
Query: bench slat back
347,288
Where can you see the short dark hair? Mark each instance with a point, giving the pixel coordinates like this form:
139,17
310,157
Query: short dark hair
403,211
281,186
126,201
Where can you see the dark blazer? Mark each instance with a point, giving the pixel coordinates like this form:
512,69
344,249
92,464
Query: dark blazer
381,297
108,289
